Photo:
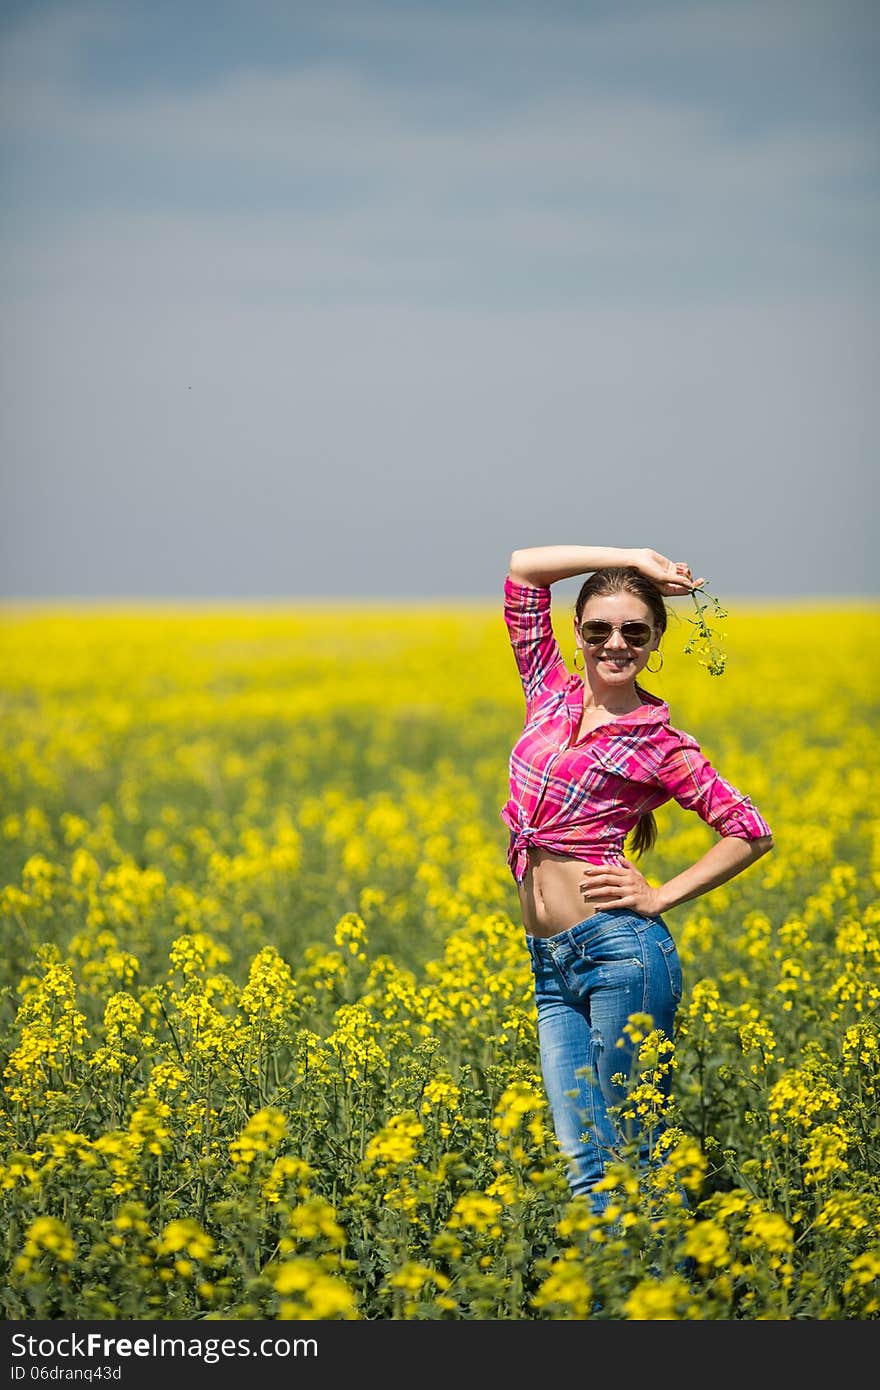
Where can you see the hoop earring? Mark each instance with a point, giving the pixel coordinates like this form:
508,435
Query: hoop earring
655,669
576,667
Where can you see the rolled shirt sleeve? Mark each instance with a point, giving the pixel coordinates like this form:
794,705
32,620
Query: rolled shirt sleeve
535,648
691,780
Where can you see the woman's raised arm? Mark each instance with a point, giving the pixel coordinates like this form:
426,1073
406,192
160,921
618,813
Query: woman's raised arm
545,564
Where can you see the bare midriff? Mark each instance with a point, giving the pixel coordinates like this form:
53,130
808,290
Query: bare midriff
550,897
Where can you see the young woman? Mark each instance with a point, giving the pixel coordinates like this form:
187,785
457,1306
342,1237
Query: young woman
596,756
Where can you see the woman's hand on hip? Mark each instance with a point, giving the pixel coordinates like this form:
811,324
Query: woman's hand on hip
670,576
606,886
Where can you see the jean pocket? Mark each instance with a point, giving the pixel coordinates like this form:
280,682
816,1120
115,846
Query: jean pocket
670,956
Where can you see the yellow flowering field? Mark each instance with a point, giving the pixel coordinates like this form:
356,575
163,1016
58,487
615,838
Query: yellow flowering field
267,1044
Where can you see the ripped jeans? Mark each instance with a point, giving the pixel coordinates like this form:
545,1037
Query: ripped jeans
588,981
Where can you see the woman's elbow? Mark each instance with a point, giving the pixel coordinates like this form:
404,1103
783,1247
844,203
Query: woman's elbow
749,848
515,565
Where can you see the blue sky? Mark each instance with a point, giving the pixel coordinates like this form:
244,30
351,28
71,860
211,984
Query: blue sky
353,299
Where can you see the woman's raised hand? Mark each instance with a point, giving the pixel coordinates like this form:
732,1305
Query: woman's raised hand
670,576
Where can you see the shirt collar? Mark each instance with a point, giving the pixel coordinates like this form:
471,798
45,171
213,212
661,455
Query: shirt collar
652,711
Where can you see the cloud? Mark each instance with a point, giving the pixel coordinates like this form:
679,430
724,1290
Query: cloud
375,284
326,176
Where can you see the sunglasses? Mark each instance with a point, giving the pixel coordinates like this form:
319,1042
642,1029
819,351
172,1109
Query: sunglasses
595,631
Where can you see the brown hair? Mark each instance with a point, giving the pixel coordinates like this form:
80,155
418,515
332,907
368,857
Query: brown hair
625,579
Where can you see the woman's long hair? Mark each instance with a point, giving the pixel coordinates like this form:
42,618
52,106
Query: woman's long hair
624,579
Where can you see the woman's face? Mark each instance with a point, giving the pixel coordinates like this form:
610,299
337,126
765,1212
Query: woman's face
615,661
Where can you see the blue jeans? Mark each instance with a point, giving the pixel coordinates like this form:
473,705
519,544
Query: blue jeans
588,981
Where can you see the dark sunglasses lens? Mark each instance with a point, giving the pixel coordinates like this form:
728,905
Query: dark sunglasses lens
595,632
637,634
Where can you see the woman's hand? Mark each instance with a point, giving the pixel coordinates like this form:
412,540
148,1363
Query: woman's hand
606,886
670,576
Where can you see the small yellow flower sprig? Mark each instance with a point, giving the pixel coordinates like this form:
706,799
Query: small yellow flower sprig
705,640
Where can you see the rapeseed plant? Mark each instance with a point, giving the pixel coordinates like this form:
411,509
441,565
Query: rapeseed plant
267,1035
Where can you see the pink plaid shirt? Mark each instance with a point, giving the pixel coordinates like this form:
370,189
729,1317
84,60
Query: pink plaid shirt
583,798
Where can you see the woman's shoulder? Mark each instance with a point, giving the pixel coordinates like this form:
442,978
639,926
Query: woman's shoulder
676,739
653,724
